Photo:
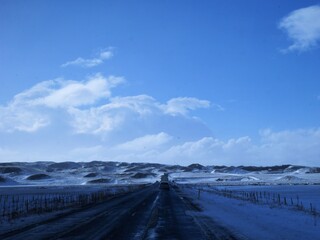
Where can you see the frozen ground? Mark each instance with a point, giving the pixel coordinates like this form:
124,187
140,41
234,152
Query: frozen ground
305,193
261,221
24,205
277,202
251,178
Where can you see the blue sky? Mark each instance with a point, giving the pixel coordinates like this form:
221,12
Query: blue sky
216,82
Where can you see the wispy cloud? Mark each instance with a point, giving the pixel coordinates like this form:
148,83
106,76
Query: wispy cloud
300,146
90,108
22,118
132,112
147,142
183,105
31,109
135,128
303,28
74,93
68,93
92,62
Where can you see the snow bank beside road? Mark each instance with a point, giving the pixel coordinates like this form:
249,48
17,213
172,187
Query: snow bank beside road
257,221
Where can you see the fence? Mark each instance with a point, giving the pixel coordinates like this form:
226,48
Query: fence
18,205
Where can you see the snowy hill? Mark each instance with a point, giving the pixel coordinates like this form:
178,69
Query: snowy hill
103,172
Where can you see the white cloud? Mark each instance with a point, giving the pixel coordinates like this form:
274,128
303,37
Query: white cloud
80,104
303,28
134,111
93,120
30,110
88,63
110,116
104,55
183,105
135,128
144,143
68,93
141,104
21,118
211,151
300,147
73,93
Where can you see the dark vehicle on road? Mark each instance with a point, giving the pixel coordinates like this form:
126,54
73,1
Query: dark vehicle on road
164,185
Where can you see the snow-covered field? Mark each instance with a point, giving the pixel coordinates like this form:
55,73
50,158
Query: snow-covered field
258,219
251,178
25,205
277,202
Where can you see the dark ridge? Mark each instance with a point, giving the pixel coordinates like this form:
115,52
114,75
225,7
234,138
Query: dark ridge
154,165
7,164
219,167
40,164
93,164
10,170
175,167
100,164
38,176
314,170
135,168
124,164
100,180
143,175
109,168
122,175
194,166
63,166
90,175
111,163
2,179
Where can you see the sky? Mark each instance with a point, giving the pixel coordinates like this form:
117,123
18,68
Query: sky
175,82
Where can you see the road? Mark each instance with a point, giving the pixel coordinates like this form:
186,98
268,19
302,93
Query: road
150,213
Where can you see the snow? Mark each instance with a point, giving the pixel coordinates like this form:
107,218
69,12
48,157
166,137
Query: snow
261,221
306,193
16,197
72,173
249,178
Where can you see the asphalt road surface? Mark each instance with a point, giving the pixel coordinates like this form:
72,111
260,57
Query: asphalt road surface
150,213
